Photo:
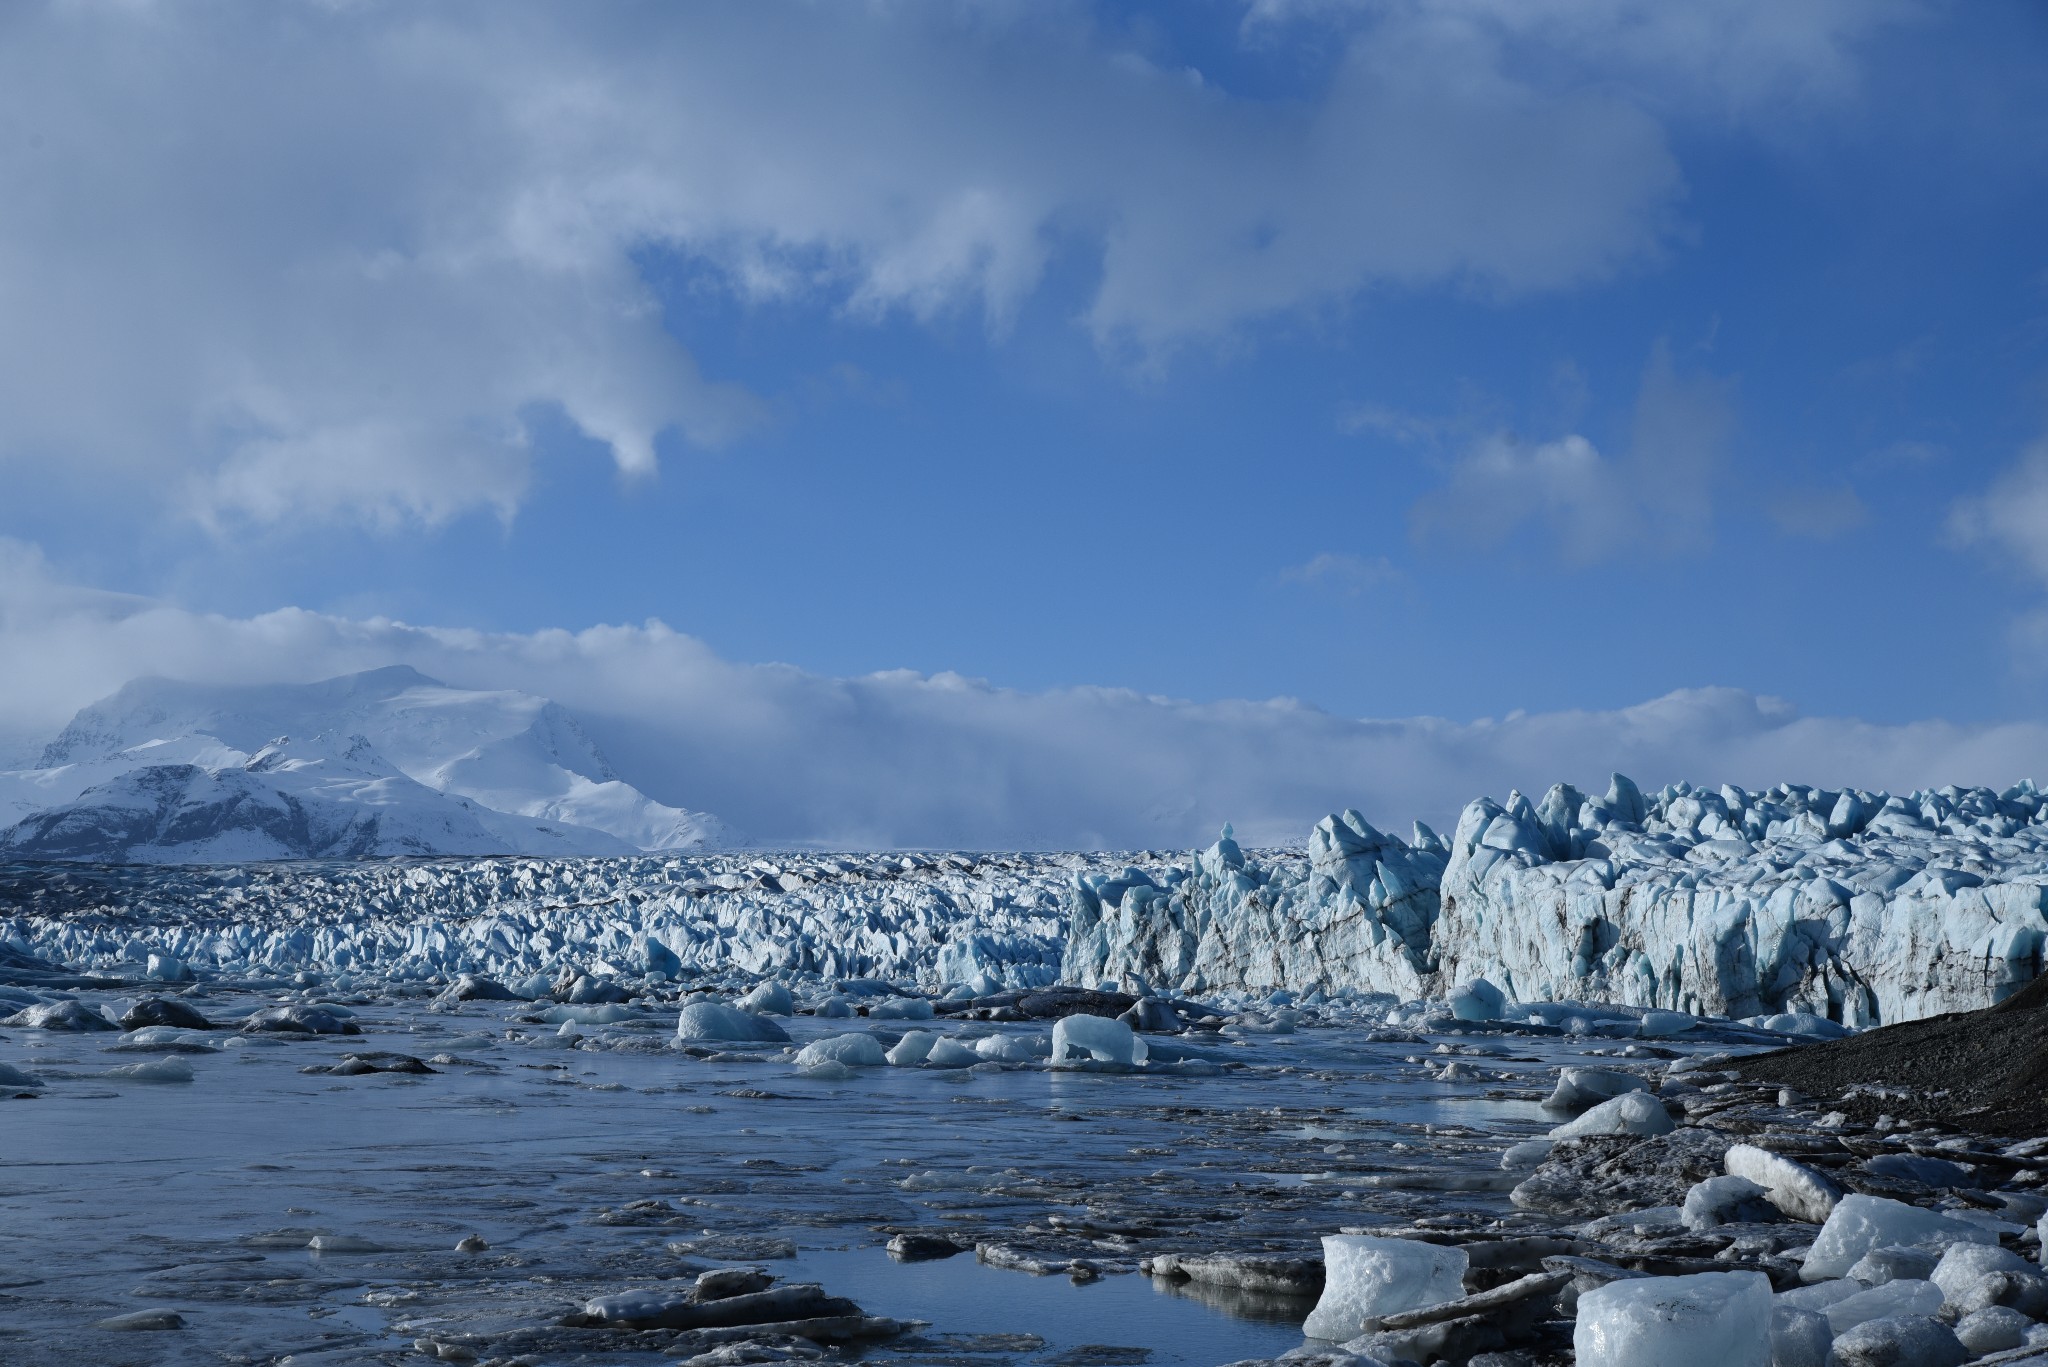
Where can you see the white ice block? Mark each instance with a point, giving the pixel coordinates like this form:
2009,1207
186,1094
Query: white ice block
1097,1037
1478,1000
1631,1113
769,998
1707,1319
1369,1277
715,1021
1581,1088
1964,1265
914,1048
851,1051
1905,1296
1860,1223
1793,1188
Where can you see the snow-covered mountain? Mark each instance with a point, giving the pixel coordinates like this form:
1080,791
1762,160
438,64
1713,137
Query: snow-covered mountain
384,762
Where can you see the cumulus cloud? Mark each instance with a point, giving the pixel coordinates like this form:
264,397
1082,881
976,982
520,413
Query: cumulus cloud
321,260
1657,495
939,760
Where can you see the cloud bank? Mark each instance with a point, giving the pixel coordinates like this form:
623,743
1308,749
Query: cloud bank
904,759
294,261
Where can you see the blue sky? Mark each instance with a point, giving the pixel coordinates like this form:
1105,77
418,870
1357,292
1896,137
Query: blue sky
1404,359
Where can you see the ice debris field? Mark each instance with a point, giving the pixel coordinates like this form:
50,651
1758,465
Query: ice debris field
1469,1100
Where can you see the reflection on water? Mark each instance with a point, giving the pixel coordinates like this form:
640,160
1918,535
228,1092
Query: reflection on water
1265,1307
1181,1322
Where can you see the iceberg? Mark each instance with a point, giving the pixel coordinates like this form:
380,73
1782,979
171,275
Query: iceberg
1706,1319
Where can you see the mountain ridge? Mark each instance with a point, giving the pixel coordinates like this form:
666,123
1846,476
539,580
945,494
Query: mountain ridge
432,768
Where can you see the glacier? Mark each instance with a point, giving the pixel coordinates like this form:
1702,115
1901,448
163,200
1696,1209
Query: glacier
998,921
1861,907
1853,906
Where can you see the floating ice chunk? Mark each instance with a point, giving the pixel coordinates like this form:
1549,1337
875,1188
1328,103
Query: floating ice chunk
901,1009
155,1070
1580,1088
64,1015
769,998
1365,1276
1100,1038
1707,1319
11,1076
1964,1265
852,1051
605,1013
167,968
166,1037
1899,1341
716,1021
1799,1338
1010,1048
1802,1023
1478,1000
912,1049
835,1008
1860,1223
162,1011
1992,1329
1632,1113
951,1053
827,1070
303,1020
160,1319
475,987
1792,1187
1895,1262
1905,1296
1725,1200
1662,1024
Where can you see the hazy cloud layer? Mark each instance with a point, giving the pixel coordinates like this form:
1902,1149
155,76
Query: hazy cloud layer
276,261
907,759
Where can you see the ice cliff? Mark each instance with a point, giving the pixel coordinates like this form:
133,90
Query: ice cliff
1356,911
1860,906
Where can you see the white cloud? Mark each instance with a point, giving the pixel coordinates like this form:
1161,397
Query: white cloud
902,758
1345,573
1732,58
314,260
2011,517
1658,495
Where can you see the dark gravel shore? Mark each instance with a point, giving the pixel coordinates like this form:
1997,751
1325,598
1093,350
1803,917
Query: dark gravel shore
1981,1070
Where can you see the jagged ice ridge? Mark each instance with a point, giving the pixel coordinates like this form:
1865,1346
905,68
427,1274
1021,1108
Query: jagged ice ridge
1861,907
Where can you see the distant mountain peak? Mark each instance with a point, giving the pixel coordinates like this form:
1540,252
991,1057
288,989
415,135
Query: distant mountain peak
374,741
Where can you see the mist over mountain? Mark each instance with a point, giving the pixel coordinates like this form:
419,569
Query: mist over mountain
383,762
